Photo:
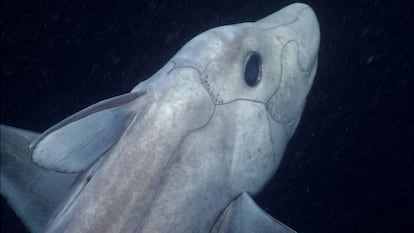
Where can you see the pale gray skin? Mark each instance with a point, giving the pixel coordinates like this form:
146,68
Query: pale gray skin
175,152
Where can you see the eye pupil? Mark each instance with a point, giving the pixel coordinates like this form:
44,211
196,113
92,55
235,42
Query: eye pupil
252,69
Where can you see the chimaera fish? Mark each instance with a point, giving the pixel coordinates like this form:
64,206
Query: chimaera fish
184,150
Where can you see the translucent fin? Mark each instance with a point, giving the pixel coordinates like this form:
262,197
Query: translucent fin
243,215
32,192
76,142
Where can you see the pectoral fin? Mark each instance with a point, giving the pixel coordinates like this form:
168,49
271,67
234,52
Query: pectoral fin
243,215
76,142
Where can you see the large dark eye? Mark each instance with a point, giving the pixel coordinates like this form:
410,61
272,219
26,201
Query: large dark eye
252,71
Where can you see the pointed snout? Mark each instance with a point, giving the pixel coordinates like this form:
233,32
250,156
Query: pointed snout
297,16
307,27
296,22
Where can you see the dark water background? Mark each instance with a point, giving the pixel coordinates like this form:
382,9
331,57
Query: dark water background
348,166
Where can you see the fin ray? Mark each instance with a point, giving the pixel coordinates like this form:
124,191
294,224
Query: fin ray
78,141
243,215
